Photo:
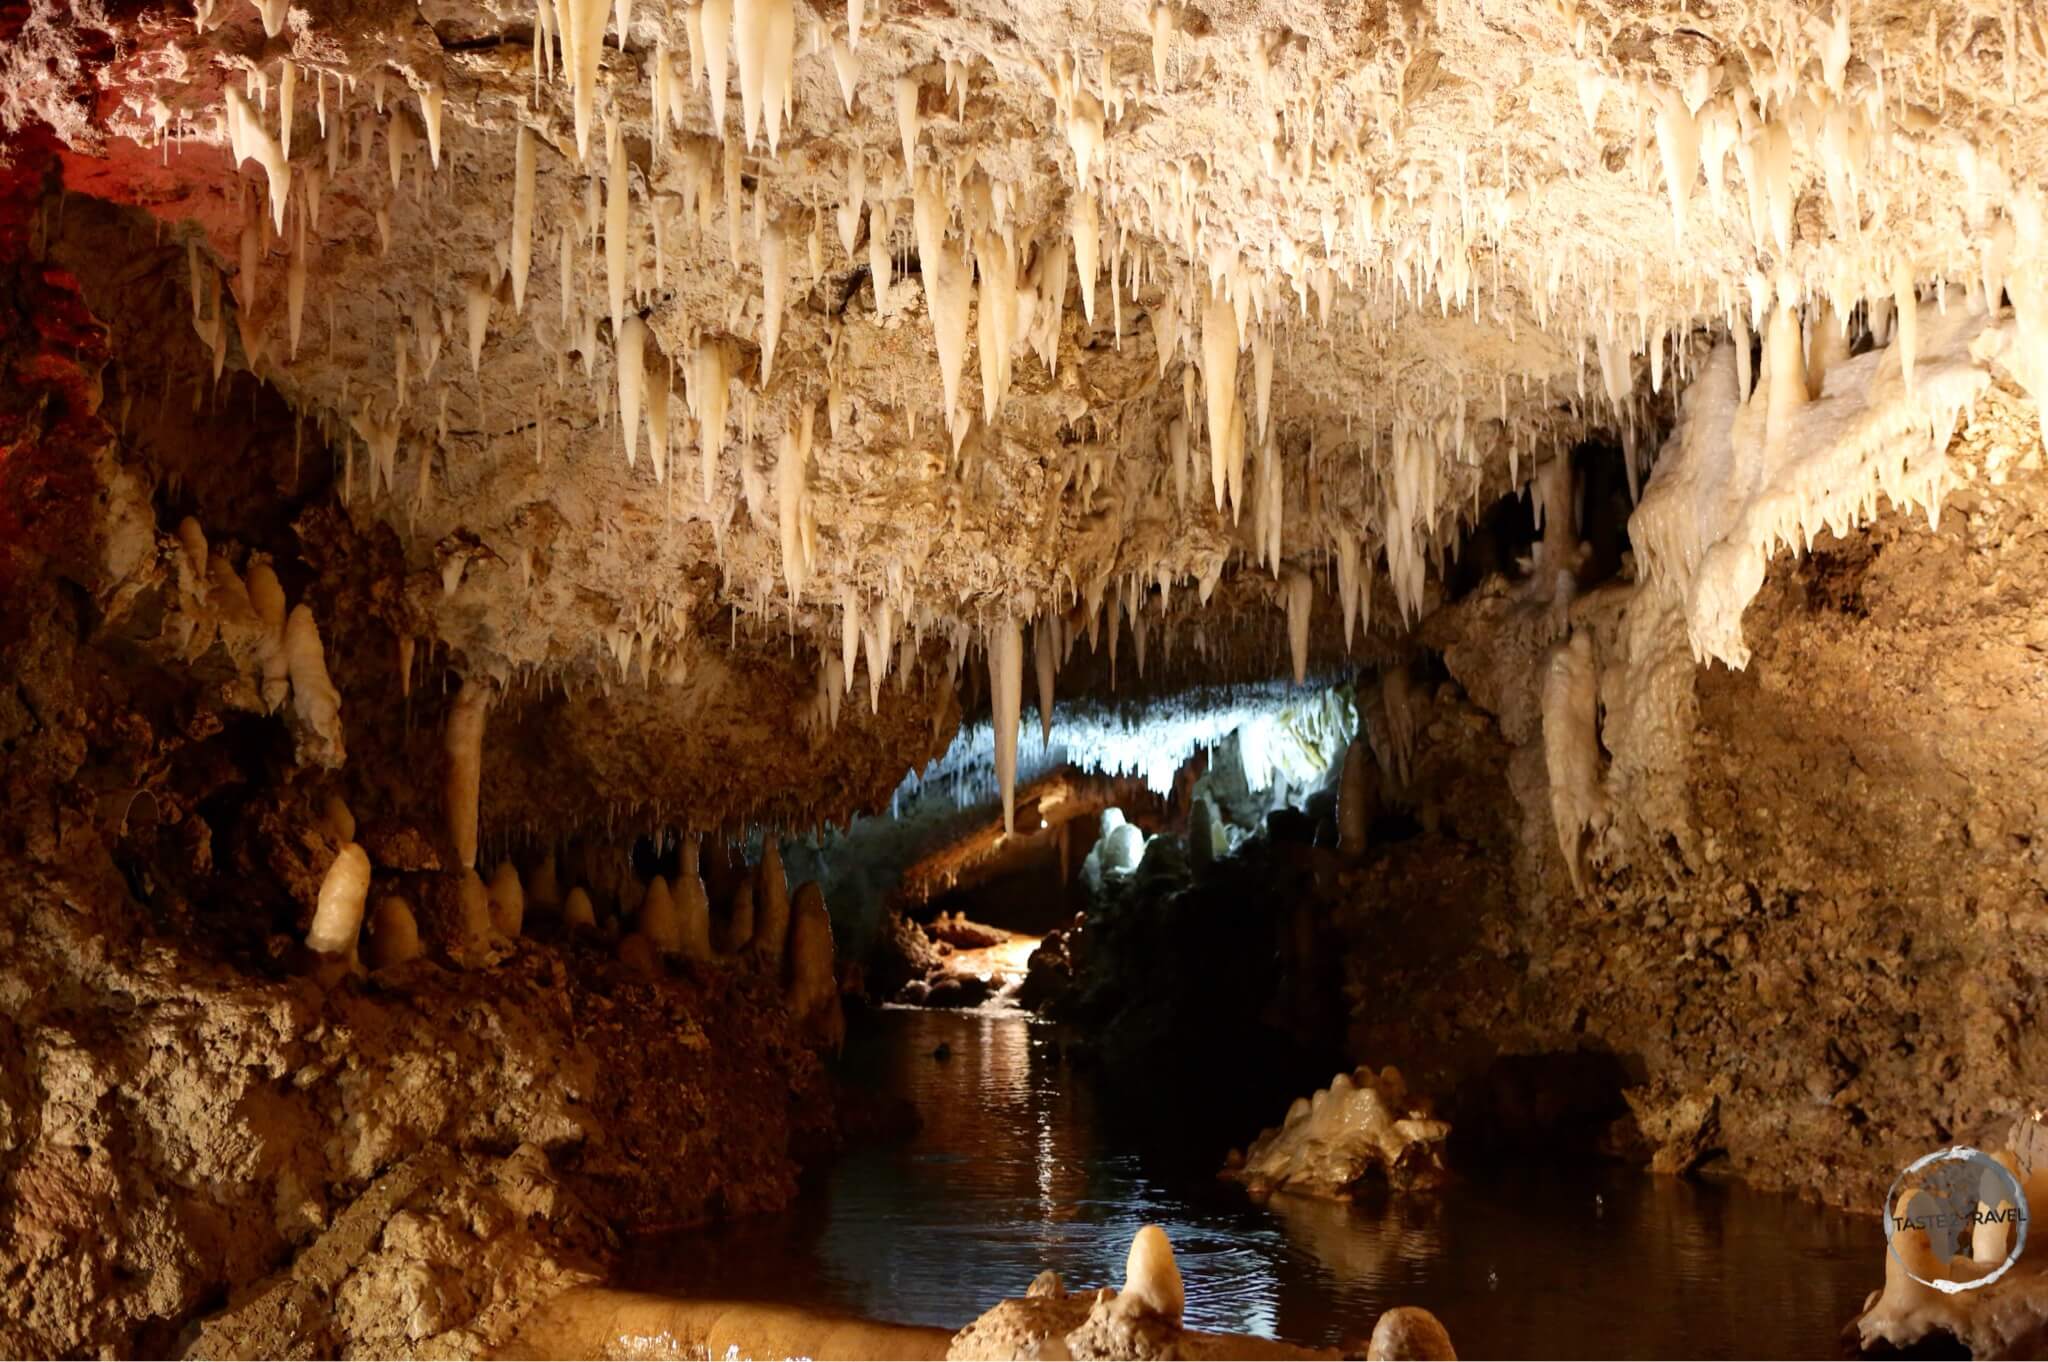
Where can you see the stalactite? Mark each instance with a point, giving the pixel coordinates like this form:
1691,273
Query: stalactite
1006,695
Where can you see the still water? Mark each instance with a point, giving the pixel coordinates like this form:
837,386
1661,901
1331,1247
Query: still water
1026,1161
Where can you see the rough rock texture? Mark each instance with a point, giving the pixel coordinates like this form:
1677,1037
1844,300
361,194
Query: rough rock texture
1090,1324
440,1257
1810,940
183,1110
1356,1133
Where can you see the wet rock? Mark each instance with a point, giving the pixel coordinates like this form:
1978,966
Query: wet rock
1408,1333
1360,1131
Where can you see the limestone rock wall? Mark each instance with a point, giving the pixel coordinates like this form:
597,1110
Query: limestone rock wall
1811,929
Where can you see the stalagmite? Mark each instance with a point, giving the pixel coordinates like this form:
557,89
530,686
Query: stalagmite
394,934
577,910
338,914
508,899
522,211
813,992
462,743
739,924
693,914
658,920
1006,698
1152,1282
771,906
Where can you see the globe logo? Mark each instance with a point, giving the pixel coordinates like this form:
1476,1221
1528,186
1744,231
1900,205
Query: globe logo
1972,1210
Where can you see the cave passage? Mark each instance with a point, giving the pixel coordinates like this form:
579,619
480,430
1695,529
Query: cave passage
1028,1159
1022,678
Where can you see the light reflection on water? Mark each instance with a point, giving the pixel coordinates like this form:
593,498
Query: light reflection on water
1025,1162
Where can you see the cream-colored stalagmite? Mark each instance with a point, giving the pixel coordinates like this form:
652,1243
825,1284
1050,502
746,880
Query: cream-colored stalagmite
578,910
658,920
1151,1278
462,743
693,911
338,914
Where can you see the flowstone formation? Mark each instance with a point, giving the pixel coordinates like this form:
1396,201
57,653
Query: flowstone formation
1345,1139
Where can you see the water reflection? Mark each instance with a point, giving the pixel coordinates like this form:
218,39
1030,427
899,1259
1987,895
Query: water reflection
1025,1163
